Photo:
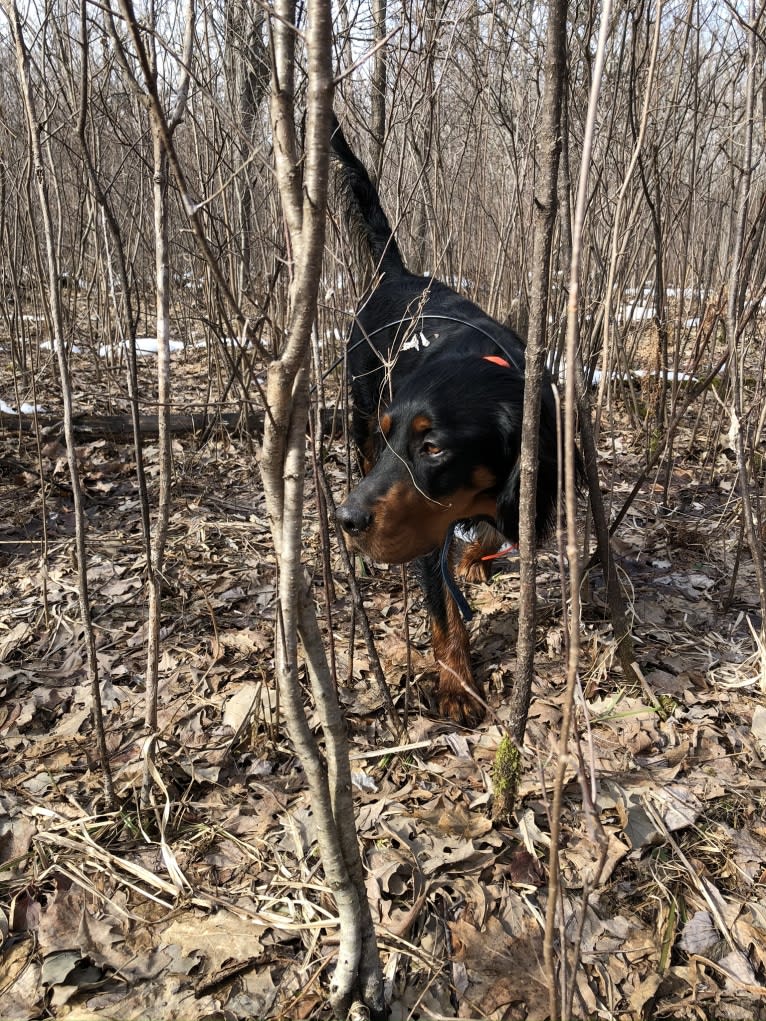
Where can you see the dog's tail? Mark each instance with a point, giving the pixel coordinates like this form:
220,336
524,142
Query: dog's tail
364,210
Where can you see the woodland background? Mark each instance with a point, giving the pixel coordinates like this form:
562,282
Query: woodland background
148,261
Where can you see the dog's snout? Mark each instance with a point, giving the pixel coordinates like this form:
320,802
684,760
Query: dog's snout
354,518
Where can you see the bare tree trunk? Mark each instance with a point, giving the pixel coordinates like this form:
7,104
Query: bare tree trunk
162,128
614,595
618,231
126,320
56,314
156,563
557,997
589,430
247,70
378,87
549,140
283,465
739,428
165,125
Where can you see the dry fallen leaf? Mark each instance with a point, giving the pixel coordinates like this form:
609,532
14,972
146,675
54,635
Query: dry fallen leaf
504,971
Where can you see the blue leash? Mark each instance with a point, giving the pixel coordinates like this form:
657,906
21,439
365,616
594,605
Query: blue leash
449,581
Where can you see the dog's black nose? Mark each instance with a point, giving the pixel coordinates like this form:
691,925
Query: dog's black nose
354,518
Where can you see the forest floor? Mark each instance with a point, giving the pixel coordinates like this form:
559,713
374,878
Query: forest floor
214,905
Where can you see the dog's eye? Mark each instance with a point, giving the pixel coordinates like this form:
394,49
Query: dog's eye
431,449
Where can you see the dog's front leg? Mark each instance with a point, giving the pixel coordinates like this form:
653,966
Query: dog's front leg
475,562
457,685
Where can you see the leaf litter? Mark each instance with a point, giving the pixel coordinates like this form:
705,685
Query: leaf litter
214,904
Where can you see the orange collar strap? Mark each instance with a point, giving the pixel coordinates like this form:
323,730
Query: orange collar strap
512,548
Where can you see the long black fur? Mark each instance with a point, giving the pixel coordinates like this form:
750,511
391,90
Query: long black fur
417,352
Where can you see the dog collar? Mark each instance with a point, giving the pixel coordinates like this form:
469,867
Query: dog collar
497,360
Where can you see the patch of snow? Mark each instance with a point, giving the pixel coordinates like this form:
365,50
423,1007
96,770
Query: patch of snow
53,345
669,375
624,377
25,409
635,313
144,346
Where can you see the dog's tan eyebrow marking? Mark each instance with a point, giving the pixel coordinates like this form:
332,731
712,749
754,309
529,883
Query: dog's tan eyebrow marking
385,424
421,423
483,478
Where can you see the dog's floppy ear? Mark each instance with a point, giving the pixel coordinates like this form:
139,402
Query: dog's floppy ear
547,482
508,497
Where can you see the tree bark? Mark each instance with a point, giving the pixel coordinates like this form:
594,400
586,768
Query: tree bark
162,128
739,428
557,995
545,205
378,86
283,467
57,317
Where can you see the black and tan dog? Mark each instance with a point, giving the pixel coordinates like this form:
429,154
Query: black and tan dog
437,388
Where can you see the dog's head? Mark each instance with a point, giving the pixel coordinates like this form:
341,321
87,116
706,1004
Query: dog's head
445,448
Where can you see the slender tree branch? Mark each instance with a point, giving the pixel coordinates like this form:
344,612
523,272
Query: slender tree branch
556,1002
545,215
57,317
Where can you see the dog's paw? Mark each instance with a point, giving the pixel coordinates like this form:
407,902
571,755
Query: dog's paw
473,569
461,707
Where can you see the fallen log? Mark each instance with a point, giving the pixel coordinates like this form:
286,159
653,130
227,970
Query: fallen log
120,427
